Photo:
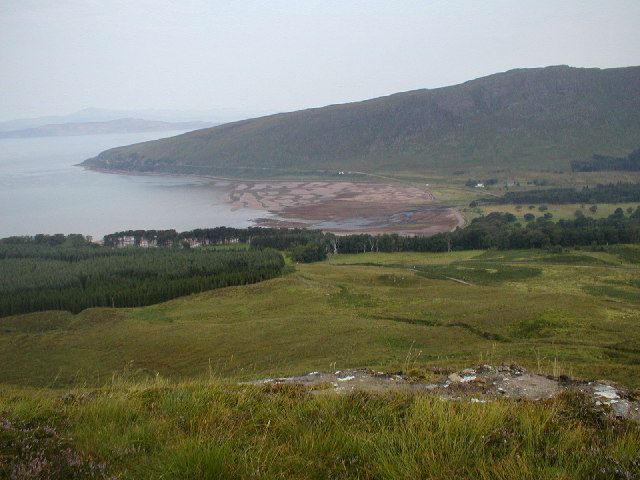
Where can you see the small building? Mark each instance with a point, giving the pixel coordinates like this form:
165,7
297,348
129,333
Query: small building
144,243
127,241
193,242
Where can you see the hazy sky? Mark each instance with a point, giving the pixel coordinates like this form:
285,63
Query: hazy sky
57,56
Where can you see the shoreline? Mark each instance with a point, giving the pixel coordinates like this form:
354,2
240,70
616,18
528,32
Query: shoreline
337,206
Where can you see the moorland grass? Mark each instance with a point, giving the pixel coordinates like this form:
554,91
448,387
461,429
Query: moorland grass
628,253
384,314
209,430
479,273
152,392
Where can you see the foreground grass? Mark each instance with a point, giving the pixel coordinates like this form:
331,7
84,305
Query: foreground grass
208,430
573,313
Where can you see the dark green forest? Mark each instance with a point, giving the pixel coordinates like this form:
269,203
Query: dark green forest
37,276
494,231
504,231
598,163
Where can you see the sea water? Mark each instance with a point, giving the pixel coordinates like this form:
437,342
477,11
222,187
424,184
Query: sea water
42,191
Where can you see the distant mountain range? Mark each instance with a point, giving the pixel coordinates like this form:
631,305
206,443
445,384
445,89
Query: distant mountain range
540,118
122,125
86,115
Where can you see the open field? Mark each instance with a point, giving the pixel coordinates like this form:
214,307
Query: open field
559,212
574,313
450,188
517,178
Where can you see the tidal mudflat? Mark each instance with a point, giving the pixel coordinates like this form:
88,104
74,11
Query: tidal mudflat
345,207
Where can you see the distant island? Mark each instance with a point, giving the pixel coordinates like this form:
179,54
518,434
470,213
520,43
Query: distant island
122,125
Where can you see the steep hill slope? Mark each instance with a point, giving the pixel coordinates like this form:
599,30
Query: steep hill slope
528,118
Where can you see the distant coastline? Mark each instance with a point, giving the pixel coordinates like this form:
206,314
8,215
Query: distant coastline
123,125
338,206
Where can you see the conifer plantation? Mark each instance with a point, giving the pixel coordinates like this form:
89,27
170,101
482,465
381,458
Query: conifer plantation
35,277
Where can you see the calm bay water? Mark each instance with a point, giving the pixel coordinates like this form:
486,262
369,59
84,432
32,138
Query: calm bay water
41,191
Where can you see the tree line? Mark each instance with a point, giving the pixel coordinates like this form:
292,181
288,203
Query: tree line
597,163
494,231
203,236
37,276
56,240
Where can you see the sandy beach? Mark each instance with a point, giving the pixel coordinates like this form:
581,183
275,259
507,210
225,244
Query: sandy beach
346,207
340,207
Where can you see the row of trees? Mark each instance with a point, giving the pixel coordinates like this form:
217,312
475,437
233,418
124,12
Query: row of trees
56,240
35,279
496,230
503,231
597,163
203,236
610,193
283,239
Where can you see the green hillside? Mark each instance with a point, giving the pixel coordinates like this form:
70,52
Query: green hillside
540,118
152,393
575,314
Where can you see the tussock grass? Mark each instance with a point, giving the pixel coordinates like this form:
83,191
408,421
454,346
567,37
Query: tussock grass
629,253
212,430
479,273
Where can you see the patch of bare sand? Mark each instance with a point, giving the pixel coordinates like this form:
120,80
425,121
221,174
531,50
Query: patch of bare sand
346,207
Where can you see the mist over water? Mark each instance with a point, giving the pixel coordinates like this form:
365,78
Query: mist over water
41,191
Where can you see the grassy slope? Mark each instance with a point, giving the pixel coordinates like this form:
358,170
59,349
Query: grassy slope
579,315
532,118
213,431
191,421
